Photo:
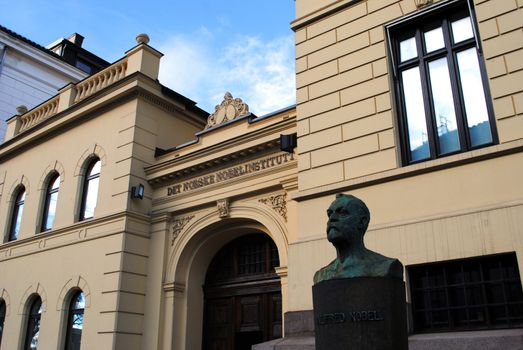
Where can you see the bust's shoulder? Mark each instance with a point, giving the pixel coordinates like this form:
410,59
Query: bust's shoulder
385,266
395,268
325,272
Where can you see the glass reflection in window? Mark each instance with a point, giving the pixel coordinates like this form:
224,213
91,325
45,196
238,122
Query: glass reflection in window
443,103
91,185
33,324
75,322
51,199
434,40
415,108
2,319
474,98
462,30
16,218
408,49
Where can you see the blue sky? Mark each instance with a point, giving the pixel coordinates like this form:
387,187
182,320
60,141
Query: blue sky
210,46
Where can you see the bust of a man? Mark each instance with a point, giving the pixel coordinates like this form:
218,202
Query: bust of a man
348,221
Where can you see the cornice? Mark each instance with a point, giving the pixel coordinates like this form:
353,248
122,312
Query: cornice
80,226
321,13
216,163
157,171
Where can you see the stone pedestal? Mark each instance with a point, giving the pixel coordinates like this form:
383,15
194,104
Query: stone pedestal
365,313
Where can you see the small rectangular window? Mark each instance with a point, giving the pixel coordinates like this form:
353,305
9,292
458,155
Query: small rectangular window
470,294
442,96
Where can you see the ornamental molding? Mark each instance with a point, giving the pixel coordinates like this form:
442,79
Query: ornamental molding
177,226
423,3
224,209
230,108
278,203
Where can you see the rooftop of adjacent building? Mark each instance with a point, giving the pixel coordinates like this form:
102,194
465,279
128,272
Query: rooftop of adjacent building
68,49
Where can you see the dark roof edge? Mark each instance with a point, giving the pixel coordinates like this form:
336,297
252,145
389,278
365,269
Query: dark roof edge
30,42
191,105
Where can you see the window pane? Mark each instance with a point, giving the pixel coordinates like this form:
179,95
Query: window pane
19,209
462,30
443,103
33,325
51,211
2,319
474,96
91,196
76,322
79,302
95,169
434,40
56,183
415,108
408,49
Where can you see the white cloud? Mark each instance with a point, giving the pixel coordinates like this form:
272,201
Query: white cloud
260,72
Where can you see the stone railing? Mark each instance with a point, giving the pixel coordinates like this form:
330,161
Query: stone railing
39,113
141,58
100,80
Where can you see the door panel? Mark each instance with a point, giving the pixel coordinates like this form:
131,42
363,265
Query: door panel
242,295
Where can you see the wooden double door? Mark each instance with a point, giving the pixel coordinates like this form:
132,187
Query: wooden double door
242,296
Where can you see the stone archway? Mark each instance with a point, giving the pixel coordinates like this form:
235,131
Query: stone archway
193,251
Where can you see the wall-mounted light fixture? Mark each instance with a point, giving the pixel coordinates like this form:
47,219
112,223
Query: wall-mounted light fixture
288,142
137,191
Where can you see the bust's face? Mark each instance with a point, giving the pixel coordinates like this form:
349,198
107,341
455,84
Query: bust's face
344,224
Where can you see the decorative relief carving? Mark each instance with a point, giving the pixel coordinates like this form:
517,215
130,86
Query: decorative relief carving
177,226
223,208
230,108
278,203
422,3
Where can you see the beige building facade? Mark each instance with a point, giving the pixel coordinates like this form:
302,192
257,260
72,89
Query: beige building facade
163,227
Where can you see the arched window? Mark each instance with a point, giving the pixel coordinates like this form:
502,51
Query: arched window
16,217
32,331
51,197
90,189
75,321
2,319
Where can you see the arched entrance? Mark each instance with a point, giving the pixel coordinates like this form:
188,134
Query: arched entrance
242,295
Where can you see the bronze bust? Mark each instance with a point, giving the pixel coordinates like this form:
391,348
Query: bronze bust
348,221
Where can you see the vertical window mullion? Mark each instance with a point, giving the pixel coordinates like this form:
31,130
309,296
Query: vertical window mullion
426,96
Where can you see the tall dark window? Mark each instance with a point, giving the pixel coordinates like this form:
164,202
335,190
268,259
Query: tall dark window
90,189
51,198
2,319
16,217
75,321
441,87
470,294
32,331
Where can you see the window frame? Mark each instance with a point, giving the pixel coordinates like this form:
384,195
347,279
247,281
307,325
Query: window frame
441,14
85,187
47,201
71,312
33,318
17,209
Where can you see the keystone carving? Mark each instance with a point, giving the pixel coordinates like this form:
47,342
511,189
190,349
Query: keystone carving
177,226
422,3
277,203
223,208
230,108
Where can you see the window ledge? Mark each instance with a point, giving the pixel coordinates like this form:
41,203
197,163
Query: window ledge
413,170
508,339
